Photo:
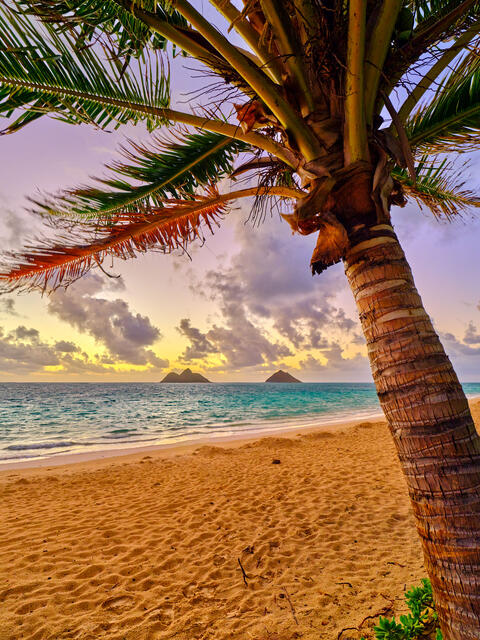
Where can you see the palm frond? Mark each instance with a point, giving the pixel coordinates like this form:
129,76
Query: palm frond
44,72
440,186
436,23
429,12
163,169
93,18
451,121
49,264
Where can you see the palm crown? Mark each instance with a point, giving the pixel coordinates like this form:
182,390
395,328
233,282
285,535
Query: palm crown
302,118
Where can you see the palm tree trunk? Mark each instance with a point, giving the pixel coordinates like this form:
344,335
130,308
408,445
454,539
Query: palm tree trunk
430,422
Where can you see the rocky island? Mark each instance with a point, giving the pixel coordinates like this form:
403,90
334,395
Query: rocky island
282,376
185,376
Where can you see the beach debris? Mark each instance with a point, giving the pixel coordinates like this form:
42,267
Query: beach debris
292,608
276,461
340,634
244,575
382,612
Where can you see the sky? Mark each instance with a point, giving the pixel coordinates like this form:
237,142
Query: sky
237,308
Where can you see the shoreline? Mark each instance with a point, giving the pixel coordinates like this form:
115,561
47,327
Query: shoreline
189,445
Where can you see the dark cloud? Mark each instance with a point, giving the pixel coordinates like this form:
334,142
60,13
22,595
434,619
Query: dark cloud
16,225
200,346
22,333
242,344
465,358
66,347
21,351
456,347
125,334
471,334
337,367
7,307
239,342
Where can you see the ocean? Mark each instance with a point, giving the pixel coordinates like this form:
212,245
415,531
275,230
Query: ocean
50,420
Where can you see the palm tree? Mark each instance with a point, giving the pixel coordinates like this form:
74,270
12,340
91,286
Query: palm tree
305,113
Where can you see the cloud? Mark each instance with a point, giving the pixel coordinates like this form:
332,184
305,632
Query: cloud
456,347
465,357
22,333
15,225
23,352
7,307
126,335
66,347
471,334
269,306
239,342
200,346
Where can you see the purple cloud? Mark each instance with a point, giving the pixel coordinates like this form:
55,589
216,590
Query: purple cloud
267,285
125,334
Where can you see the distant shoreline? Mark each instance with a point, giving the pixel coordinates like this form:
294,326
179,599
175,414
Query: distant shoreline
155,382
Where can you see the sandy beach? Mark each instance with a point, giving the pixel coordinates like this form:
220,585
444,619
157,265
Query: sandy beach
298,536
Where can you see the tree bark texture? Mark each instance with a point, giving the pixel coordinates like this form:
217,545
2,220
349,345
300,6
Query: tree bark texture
430,421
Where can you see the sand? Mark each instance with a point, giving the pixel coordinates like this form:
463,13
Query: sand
150,547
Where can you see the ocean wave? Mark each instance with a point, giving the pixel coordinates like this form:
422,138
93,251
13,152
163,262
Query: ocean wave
123,430
44,445
21,457
120,433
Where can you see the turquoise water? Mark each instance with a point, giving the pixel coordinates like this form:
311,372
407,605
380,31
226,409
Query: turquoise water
44,420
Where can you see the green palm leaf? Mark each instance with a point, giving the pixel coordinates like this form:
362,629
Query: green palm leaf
436,22
428,12
164,169
439,186
95,17
451,121
44,72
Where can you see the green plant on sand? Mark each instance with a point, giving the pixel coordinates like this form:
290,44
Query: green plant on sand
342,108
420,624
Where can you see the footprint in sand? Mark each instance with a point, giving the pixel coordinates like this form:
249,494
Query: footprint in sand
118,604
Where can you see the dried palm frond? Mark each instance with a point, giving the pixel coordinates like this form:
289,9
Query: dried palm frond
49,264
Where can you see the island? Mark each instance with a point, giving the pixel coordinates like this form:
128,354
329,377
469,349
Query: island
282,376
185,376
